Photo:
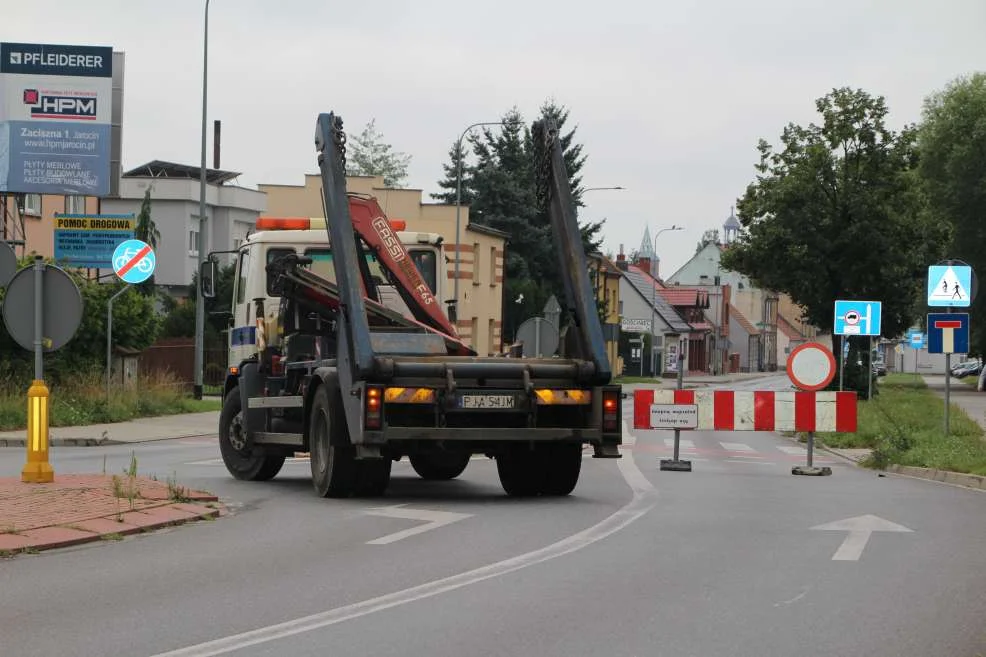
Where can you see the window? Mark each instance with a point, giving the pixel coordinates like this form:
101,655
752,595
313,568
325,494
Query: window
75,204
426,260
241,276
32,204
492,266
193,242
475,263
272,255
492,336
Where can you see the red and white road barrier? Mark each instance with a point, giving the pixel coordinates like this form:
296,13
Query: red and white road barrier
742,410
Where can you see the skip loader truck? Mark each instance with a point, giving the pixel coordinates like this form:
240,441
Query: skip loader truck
322,362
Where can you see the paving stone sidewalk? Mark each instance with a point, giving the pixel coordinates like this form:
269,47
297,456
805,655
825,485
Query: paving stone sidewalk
78,509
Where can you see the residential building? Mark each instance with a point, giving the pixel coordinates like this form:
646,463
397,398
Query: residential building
231,213
778,321
480,252
28,220
653,329
605,277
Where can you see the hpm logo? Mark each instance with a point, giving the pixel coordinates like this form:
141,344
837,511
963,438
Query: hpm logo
60,107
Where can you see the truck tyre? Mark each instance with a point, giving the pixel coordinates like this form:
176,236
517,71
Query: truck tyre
562,464
247,464
372,477
332,456
521,472
440,466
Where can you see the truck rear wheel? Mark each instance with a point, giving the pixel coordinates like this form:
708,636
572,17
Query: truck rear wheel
440,466
333,458
372,477
551,469
244,463
520,472
562,467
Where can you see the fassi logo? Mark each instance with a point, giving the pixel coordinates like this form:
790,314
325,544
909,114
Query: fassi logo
49,106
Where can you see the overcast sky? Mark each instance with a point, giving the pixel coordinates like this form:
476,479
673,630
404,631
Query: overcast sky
669,97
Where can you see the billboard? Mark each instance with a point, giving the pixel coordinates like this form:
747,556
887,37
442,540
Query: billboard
85,240
55,118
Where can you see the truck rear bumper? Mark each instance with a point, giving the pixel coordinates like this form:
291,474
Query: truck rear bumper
489,435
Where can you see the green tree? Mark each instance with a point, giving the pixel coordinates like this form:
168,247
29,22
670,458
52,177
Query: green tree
838,212
146,231
367,154
179,314
499,187
952,143
450,181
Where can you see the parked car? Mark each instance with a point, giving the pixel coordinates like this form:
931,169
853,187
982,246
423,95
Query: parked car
970,369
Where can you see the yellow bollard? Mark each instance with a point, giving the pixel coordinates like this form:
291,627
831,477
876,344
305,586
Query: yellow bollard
37,470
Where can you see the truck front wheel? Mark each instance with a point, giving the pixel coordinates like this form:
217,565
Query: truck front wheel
440,466
244,463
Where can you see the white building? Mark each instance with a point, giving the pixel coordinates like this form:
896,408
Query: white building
231,213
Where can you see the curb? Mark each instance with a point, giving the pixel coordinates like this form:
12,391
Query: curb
961,479
74,536
95,442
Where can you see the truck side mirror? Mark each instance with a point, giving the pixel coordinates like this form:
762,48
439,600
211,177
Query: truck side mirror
207,278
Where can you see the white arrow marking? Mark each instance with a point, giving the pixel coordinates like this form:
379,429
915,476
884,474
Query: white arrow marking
432,519
859,529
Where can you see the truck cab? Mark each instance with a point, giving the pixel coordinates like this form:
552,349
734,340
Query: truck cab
306,236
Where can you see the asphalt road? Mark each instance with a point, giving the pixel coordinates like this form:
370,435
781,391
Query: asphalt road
719,561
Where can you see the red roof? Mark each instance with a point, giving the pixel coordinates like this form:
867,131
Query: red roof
677,295
788,329
685,297
743,321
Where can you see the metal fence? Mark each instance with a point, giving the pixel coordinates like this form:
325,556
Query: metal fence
176,356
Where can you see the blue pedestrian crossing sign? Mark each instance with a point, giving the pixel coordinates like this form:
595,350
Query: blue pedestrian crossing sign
134,261
948,333
950,285
858,317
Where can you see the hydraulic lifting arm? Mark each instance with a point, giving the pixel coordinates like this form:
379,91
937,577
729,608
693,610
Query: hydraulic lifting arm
555,195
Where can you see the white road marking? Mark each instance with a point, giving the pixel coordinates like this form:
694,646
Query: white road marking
432,520
682,443
859,529
792,449
644,499
742,460
737,447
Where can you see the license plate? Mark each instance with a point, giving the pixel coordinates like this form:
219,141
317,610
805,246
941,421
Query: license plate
487,401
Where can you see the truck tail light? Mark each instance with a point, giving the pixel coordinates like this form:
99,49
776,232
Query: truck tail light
373,410
611,410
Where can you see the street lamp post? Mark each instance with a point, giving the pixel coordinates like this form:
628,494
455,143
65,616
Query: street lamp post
653,305
454,306
199,300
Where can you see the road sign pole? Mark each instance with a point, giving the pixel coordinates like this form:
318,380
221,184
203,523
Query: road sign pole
869,373
842,360
37,469
109,337
676,463
948,388
39,271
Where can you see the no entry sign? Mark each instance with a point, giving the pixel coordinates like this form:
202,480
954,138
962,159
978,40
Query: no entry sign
811,366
